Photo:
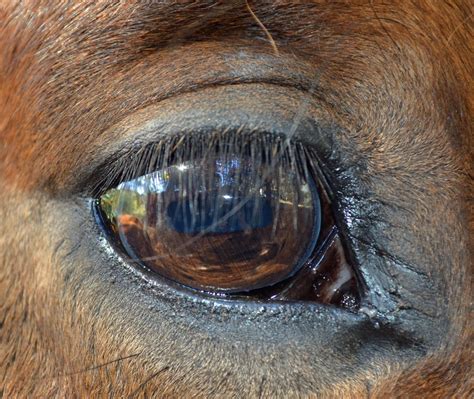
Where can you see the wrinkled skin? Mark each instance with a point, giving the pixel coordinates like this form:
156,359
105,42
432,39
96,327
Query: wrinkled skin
384,94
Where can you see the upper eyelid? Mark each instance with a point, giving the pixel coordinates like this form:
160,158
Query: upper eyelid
163,121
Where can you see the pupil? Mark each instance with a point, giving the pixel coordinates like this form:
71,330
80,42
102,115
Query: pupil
230,224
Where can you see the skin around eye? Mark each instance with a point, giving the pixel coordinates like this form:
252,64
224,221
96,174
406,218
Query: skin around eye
246,219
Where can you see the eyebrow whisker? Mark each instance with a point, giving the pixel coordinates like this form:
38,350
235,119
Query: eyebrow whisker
92,368
264,28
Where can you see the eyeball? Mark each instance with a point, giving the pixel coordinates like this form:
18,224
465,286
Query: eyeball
223,223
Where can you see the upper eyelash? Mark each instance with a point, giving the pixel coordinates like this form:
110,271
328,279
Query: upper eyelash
193,146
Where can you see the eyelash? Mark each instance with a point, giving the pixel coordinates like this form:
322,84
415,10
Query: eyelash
186,147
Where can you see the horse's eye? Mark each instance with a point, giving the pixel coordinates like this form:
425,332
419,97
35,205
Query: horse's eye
238,218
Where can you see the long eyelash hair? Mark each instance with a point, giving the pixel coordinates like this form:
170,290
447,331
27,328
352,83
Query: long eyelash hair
263,157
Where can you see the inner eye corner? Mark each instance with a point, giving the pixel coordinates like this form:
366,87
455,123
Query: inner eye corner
234,219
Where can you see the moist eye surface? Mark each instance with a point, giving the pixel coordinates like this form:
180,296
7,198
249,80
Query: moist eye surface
236,216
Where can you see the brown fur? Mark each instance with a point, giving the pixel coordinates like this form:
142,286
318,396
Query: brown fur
397,76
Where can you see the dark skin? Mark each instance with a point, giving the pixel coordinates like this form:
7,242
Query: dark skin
382,92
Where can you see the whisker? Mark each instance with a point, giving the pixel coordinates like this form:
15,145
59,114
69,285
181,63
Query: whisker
98,366
463,22
383,26
267,33
143,384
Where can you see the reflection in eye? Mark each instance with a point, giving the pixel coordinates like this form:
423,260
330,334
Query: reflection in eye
239,218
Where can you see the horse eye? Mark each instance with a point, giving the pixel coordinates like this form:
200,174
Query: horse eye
233,220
